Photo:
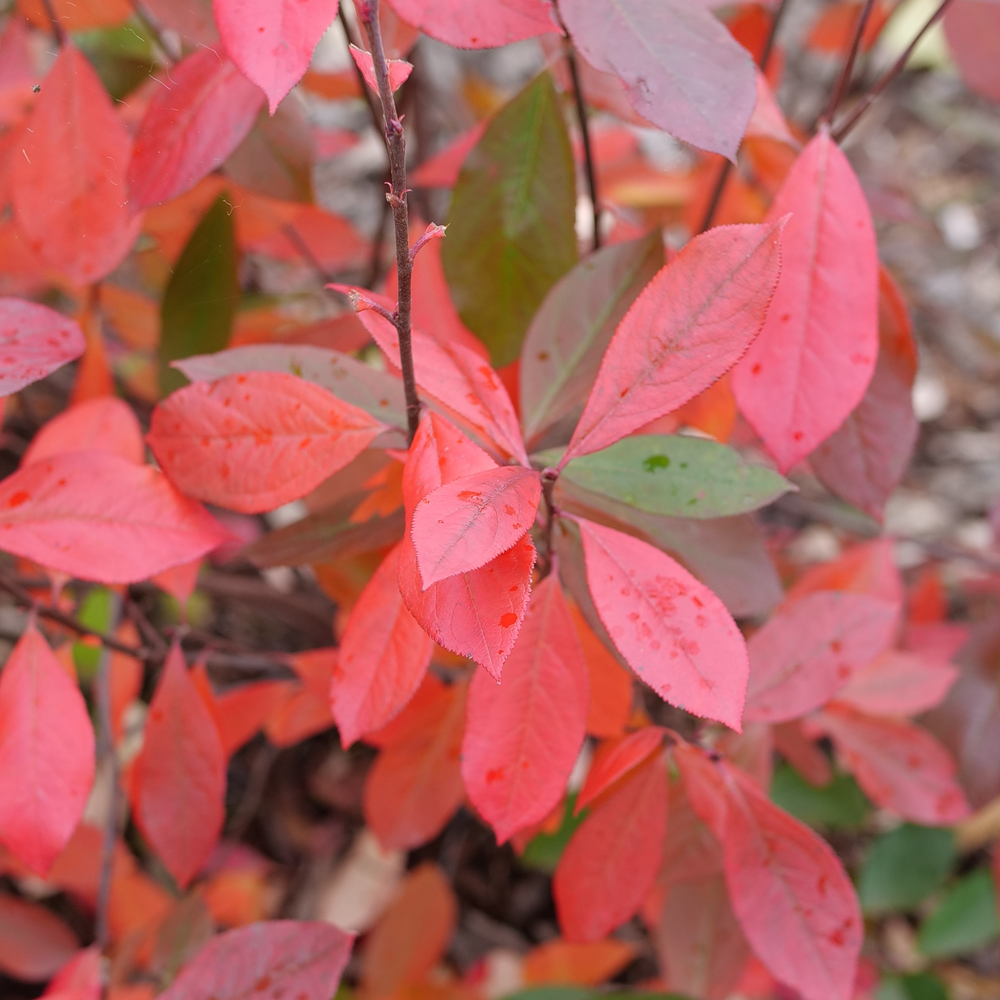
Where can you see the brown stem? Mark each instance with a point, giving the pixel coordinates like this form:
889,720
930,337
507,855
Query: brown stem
549,477
588,152
840,132
107,752
57,29
844,80
395,140
727,165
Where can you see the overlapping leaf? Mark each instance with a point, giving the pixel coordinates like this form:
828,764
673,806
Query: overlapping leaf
104,424
615,759
34,342
487,24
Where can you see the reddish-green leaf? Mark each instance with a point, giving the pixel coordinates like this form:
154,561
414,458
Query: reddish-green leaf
468,522
256,441
68,174
681,68
34,942
103,424
276,958
34,342
670,629
98,516
611,861
813,360
201,112
415,784
46,753
523,735
476,614
179,785
483,25
384,654
615,759
900,766
810,648
690,325
272,41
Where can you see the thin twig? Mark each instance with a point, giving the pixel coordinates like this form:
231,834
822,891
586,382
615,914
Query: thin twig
840,132
57,29
108,753
727,165
588,152
844,80
395,140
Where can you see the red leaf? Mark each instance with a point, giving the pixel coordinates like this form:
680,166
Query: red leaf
415,784
255,441
442,169
98,516
615,759
81,978
201,112
810,648
179,782
898,683
34,342
305,709
581,963
476,614
456,377
802,753
241,712
46,753
864,460
68,177
272,41
464,524
611,861
681,68
34,942
815,356
863,569
971,27
290,958
384,654
900,766
399,69
610,683
792,897
105,424
689,325
483,25
524,735
671,629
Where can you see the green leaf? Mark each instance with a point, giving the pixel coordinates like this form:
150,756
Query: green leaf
554,993
545,849
201,298
904,867
95,611
122,56
841,804
567,338
675,476
966,919
511,232
917,986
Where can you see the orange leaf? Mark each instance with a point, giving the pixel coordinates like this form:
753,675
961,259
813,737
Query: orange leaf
584,964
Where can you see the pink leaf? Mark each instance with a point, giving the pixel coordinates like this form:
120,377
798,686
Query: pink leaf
455,376
81,978
272,41
900,766
34,342
255,441
34,942
179,784
611,861
68,174
399,69
670,629
384,654
466,523
202,111
681,68
483,25
768,121
98,516
792,897
288,958
898,683
523,736
105,423
615,759
810,648
971,27
816,353
690,325
476,614
46,753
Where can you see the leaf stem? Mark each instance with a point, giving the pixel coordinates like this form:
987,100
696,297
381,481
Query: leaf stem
841,131
588,150
844,80
549,477
395,140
